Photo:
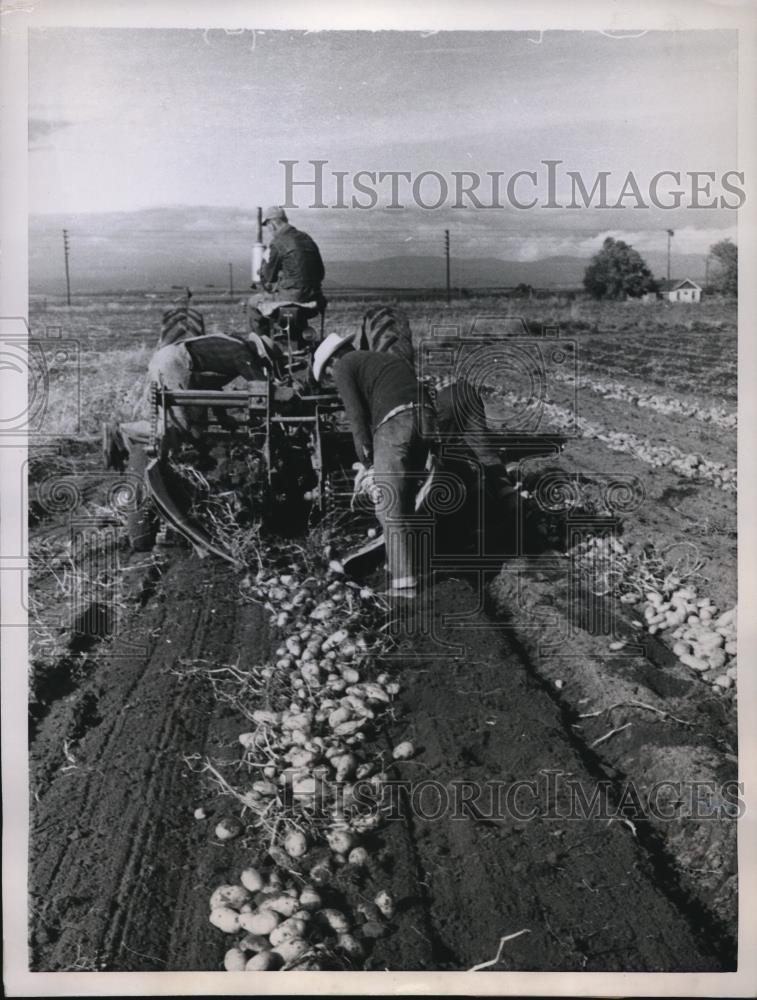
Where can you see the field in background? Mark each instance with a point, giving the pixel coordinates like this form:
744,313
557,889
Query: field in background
691,350
113,718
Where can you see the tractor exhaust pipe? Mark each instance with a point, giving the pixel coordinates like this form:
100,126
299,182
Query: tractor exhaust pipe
257,249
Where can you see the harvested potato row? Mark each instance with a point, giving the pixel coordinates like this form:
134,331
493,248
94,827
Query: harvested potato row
313,784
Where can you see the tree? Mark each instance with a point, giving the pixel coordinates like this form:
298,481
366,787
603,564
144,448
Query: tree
726,278
618,272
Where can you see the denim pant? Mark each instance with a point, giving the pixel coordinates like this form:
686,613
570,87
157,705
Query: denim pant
399,458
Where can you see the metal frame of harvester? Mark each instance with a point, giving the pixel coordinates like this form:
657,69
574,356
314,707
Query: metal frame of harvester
267,414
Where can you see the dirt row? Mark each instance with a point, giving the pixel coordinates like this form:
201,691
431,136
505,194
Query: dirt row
121,871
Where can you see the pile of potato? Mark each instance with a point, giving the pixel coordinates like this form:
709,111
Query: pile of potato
692,466
279,924
688,464
611,389
703,638
312,778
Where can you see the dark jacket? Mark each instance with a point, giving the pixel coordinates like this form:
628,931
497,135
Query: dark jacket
225,356
372,384
294,265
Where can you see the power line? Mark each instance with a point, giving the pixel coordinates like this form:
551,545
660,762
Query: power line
446,254
65,255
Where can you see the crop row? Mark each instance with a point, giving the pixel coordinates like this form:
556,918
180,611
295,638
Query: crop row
688,464
611,389
313,782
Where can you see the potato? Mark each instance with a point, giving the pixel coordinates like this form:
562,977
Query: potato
225,919
251,879
232,896
264,787
358,856
374,692
283,905
350,946
345,765
717,659
288,930
340,841
228,828
338,716
295,844
234,960
264,961
309,898
254,942
292,949
403,751
358,706
349,728
336,920
262,922
695,662
300,757
385,903
321,873
267,718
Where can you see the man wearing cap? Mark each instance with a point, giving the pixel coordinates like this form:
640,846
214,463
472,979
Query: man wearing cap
292,274
392,422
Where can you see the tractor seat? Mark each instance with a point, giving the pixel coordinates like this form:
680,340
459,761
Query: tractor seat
293,313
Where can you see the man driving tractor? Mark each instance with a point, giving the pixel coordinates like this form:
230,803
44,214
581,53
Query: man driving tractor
292,274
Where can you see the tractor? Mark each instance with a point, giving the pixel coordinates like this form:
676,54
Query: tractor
278,449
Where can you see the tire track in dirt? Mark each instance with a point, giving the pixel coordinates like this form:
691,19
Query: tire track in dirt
586,890
111,837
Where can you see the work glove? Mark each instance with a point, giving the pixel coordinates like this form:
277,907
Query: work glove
365,482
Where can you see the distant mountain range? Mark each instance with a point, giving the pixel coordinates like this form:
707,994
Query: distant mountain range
477,272
154,249
482,272
387,272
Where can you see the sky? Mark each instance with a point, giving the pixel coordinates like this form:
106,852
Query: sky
148,143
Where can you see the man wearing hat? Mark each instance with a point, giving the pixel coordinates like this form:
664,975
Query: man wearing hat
392,421
292,274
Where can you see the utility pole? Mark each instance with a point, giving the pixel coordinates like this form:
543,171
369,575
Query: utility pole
707,272
446,255
231,280
65,255
670,233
